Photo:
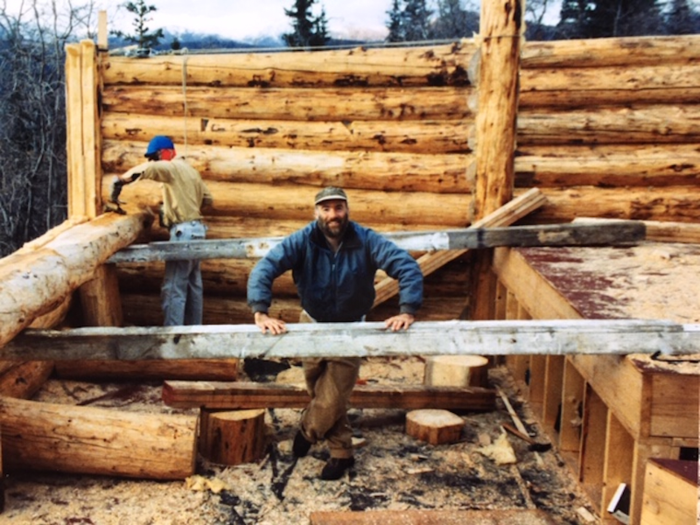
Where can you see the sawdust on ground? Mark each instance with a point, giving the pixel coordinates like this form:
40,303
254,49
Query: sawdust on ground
393,470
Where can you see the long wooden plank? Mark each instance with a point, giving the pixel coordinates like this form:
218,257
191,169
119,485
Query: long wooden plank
612,233
551,337
431,517
242,396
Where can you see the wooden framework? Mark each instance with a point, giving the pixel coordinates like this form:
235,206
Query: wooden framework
608,415
606,128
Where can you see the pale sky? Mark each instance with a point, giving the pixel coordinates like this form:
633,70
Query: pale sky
248,19
241,19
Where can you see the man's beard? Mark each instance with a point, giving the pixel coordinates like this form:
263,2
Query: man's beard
334,229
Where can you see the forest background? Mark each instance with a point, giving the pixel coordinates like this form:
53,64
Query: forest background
33,170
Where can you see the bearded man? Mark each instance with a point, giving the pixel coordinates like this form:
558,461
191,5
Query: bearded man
333,262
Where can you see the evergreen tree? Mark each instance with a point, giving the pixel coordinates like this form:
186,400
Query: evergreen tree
680,19
415,21
454,21
609,18
308,30
142,36
395,25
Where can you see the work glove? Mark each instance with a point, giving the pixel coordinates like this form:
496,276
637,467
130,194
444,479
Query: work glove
115,190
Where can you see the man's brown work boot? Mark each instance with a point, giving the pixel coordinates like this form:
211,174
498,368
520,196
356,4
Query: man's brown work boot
336,467
301,445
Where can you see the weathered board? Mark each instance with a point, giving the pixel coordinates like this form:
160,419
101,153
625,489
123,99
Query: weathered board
551,337
613,233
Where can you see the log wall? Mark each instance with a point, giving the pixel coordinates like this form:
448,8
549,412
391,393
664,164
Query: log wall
605,128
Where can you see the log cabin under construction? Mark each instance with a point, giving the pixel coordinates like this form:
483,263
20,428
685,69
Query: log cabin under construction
488,132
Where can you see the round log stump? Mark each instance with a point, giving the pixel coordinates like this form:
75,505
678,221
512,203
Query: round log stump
435,426
456,370
232,437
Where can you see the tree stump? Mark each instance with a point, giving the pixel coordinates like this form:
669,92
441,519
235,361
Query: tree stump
232,437
456,370
434,426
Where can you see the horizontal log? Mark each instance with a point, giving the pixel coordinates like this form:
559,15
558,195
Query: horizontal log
609,171
25,379
242,396
376,171
611,78
557,337
323,104
612,233
416,136
141,309
588,151
585,98
628,52
35,282
442,64
184,369
232,226
612,125
673,203
295,202
89,440
229,277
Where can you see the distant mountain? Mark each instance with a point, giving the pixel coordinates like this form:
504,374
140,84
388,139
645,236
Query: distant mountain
198,41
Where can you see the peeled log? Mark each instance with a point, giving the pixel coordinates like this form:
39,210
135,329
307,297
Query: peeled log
436,426
232,437
324,104
673,203
417,136
295,202
610,79
611,125
599,52
34,283
89,440
25,379
562,98
456,370
378,171
442,64
606,171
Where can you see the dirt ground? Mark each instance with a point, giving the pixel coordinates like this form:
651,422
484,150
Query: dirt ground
392,470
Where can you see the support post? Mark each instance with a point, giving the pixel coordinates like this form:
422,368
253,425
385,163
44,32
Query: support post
497,95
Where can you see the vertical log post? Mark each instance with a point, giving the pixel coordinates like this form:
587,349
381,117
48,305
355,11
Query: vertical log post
100,296
497,95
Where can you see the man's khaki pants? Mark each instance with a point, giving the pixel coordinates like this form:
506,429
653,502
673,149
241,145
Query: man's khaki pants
330,381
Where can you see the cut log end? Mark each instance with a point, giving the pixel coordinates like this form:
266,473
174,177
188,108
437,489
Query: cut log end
456,370
434,426
232,437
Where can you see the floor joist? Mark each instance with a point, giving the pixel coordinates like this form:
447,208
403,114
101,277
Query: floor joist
549,337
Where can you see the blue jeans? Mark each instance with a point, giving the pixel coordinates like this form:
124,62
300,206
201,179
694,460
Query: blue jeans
182,291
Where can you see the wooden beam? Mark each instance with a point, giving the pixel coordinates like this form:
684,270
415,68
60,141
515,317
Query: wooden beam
243,396
534,337
658,231
612,233
430,517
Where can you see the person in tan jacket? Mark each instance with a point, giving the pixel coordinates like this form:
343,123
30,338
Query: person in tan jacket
184,197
